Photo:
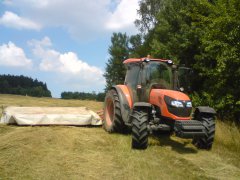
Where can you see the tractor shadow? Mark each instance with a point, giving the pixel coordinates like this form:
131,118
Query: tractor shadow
180,146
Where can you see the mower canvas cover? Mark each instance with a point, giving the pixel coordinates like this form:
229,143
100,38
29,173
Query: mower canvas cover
50,116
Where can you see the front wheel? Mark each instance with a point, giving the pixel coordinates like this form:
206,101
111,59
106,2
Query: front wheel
139,130
208,122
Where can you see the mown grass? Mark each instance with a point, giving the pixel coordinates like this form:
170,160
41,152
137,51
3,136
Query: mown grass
67,152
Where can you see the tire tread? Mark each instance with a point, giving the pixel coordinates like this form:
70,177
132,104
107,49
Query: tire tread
206,142
139,130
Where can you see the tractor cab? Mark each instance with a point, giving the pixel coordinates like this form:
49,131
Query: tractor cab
144,74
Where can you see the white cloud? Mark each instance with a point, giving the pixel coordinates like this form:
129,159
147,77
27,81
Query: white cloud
10,19
11,55
124,15
45,42
67,65
81,18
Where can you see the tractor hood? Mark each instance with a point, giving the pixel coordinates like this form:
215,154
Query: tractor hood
170,93
173,104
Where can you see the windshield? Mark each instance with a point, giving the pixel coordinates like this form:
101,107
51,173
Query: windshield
160,75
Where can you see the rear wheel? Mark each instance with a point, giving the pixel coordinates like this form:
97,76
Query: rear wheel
208,122
139,130
112,121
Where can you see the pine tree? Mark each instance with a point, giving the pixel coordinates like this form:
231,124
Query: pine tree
119,51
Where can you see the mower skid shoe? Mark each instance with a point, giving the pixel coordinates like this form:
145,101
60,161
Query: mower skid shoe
189,129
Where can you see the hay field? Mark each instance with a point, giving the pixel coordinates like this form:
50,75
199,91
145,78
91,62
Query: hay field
67,152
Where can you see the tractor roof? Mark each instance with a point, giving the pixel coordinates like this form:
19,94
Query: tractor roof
136,60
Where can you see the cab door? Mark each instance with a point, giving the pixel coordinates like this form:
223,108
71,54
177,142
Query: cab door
132,79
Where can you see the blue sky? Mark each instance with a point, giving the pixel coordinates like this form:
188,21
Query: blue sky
63,43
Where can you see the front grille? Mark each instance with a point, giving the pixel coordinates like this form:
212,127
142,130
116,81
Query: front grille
180,112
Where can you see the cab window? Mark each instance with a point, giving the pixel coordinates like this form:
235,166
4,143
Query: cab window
132,75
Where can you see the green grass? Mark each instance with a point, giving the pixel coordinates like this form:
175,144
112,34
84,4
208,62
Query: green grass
16,100
67,152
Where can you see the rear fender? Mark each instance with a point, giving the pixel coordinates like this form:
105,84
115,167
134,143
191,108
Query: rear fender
125,99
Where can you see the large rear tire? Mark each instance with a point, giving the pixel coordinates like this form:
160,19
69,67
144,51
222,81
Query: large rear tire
112,121
208,122
139,130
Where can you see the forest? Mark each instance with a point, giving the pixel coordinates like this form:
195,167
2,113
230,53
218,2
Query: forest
201,34
21,85
83,96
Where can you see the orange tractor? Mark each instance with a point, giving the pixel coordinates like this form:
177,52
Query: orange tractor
152,101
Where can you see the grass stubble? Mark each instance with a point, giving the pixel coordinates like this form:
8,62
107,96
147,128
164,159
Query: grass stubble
68,152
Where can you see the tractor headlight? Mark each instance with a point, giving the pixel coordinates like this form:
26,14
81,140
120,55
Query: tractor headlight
189,104
176,103
173,102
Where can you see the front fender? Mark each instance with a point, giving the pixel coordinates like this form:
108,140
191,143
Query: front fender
205,109
200,110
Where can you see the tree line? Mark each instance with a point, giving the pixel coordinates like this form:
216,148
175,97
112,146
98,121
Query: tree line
83,96
200,34
21,85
